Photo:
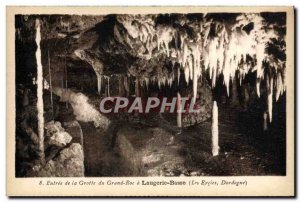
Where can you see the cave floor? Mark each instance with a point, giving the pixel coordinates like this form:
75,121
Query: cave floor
153,150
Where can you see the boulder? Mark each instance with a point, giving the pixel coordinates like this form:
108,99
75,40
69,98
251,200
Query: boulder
74,129
56,135
60,139
147,151
69,163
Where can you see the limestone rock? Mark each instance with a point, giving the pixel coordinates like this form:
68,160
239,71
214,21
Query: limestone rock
69,163
53,127
146,152
60,139
56,135
75,130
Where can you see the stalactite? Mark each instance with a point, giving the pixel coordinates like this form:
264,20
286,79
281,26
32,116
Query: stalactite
215,130
240,79
191,68
159,84
212,58
270,100
258,87
164,37
279,86
195,83
170,81
260,54
40,103
187,74
96,64
184,54
222,52
163,81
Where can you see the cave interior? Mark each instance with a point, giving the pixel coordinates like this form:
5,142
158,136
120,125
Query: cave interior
236,60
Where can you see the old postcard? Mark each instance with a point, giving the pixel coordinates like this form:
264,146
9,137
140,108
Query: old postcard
150,101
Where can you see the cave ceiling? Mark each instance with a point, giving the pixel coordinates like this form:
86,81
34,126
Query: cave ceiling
157,46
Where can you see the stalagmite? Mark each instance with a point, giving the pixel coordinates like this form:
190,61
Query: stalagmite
147,83
179,110
66,80
126,85
50,78
206,48
40,103
108,91
215,130
234,93
137,94
265,123
66,72
137,88
214,77
178,75
121,85
99,83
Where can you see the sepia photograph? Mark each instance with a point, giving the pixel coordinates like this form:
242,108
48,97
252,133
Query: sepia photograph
168,98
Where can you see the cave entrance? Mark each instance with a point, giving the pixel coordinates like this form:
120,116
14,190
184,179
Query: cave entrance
233,76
